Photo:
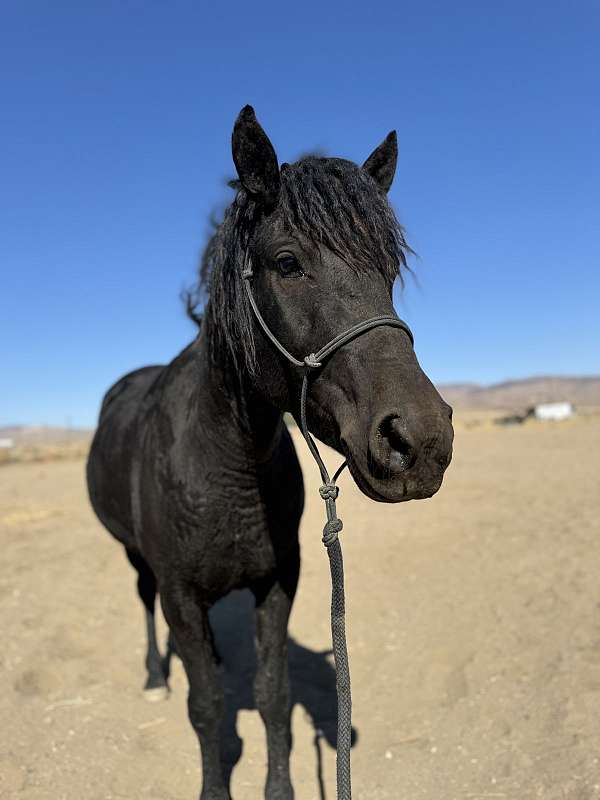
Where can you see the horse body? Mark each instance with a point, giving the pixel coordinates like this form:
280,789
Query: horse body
205,500
187,486
109,463
192,468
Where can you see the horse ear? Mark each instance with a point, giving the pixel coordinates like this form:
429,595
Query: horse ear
255,158
381,164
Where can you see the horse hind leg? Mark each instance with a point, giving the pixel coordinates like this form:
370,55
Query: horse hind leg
156,687
170,651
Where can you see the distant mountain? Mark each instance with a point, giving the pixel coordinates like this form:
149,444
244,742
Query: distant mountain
41,435
516,395
520,394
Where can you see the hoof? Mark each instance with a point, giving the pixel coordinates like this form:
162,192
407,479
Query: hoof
156,695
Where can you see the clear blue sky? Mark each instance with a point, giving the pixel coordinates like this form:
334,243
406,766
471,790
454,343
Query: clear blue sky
115,122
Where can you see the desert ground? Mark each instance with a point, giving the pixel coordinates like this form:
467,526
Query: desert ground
473,625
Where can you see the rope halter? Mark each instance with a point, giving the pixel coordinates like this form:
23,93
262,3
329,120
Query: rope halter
329,492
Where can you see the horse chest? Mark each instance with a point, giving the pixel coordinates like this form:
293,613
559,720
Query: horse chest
219,539
215,525
233,550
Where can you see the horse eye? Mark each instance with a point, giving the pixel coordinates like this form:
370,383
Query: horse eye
288,265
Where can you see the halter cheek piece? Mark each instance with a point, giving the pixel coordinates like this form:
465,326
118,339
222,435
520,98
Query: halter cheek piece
329,492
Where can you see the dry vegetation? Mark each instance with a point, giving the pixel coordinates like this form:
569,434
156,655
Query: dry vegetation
43,443
60,451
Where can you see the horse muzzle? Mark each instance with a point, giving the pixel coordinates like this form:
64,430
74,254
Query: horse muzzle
405,456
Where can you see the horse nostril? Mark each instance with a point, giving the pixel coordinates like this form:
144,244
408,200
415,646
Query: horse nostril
403,453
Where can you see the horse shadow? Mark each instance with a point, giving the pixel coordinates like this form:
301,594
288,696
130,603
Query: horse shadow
312,681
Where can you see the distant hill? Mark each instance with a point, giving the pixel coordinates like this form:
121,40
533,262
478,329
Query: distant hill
42,435
516,395
520,394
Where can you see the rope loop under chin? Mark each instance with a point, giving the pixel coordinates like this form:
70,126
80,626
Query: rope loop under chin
329,491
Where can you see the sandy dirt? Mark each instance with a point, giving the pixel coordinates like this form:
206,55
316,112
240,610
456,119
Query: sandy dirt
474,633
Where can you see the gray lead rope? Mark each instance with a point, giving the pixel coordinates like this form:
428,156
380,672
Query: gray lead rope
329,492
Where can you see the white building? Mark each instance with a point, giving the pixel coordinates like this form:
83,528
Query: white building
553,411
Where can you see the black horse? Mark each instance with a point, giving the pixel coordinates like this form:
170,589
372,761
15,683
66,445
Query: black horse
192,468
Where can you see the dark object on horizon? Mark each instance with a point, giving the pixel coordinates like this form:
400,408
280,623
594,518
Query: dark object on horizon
192,468
513,419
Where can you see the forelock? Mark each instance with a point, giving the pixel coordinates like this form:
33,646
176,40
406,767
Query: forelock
338,204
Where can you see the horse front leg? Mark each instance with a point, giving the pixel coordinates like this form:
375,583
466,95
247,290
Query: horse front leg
189,625
271,686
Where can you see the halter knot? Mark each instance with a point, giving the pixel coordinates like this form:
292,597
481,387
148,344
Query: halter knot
329,491
331,530
311,362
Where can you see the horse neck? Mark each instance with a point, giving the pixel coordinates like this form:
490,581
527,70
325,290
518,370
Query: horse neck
240,420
